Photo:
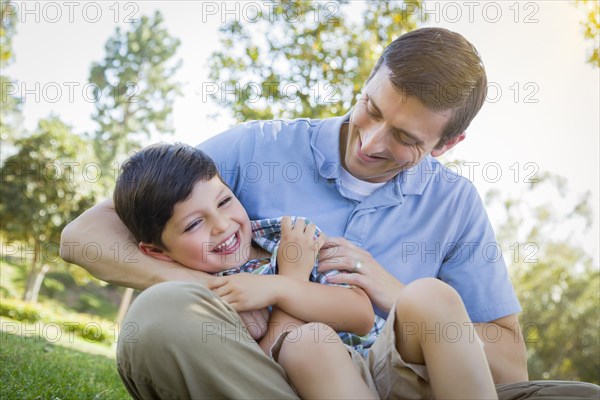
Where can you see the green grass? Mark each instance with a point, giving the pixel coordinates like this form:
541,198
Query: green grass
31,368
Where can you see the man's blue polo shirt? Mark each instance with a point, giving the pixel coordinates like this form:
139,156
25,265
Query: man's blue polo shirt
426,222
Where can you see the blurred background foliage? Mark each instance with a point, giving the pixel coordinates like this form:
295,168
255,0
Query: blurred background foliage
555,279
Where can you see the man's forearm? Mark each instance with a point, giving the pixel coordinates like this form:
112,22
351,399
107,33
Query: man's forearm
99,242
504,349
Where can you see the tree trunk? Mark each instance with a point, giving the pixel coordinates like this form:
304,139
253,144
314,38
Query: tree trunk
31,277
38,283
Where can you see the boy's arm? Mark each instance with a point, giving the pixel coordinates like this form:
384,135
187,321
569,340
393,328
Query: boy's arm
99,242
279,322
328,306
344,309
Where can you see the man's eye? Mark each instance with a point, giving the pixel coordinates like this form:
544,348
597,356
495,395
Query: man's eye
373,114
405,140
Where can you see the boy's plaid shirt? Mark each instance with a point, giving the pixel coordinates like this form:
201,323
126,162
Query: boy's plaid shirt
267,234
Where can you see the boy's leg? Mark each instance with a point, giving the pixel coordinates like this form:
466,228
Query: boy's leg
433,328
319,365
179,340
411,336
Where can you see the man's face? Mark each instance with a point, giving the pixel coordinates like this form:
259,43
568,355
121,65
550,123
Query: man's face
389,132
210,231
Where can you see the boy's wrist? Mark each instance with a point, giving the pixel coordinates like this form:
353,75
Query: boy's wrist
281,288
294,273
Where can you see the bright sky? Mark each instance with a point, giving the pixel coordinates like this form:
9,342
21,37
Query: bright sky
543,104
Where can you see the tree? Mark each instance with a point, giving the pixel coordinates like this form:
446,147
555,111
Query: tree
135,90
7,31
302,58
10,110
45,185
554,277
591,26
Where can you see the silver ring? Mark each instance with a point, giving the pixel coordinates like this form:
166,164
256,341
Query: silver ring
357,265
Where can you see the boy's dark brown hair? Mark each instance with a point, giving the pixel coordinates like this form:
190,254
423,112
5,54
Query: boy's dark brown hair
155,179
442,69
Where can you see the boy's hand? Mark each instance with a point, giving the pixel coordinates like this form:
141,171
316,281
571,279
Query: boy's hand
298,248
255,322
245,292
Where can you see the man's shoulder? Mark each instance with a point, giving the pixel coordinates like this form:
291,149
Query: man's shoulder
435,177
283,129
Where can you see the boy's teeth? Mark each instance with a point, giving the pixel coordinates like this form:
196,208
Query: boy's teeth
226,244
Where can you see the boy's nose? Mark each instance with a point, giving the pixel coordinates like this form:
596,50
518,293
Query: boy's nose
220,224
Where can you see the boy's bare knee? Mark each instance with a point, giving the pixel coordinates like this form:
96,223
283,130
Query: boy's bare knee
306,341
427,298
311,333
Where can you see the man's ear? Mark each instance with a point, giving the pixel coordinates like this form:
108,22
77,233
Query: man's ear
449,144
153,251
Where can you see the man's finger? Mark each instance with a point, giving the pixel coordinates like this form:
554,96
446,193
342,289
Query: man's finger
347,278
333,242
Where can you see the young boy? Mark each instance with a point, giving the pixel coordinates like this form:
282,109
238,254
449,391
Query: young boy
178,208
174,202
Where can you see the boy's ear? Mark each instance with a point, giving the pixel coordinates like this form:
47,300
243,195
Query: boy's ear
153,251
449,144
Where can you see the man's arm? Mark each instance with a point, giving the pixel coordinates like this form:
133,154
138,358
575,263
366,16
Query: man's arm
504,344
504,349
99,242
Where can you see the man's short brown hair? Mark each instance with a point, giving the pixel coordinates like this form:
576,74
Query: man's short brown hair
442,69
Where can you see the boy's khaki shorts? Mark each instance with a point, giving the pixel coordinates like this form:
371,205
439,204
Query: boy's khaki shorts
383,370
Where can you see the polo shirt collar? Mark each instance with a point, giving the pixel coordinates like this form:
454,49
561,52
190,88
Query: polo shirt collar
325,144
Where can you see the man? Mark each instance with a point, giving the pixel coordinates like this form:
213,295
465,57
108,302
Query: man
370,177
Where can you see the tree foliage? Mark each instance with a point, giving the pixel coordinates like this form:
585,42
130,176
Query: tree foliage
591,26
45,185
554,277
307,59
10,109
135,89
8,23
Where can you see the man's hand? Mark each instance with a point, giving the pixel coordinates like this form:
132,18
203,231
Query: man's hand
246,292
364,272
255,322
298,248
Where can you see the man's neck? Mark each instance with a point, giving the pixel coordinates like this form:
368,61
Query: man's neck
343,137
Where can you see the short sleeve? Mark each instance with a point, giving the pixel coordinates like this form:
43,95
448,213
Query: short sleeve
231,151
475,266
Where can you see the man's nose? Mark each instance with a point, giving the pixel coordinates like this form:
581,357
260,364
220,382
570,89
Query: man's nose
373,140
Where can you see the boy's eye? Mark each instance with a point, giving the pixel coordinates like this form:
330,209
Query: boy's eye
192,225
225,201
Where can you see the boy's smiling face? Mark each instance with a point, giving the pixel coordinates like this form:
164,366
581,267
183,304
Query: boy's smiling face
210,231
